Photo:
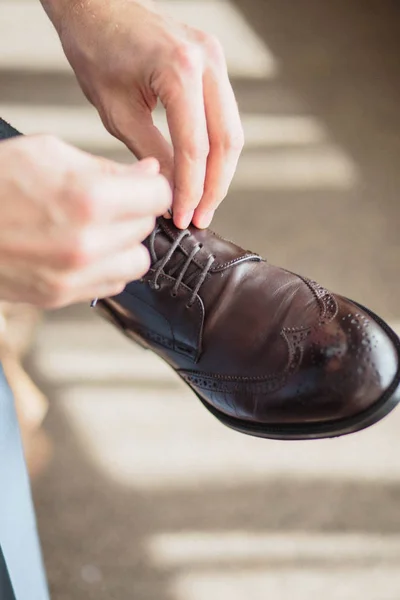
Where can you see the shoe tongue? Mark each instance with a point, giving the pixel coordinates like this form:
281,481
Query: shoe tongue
226,253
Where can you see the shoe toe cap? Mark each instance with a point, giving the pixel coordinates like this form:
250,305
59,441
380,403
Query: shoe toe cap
350,362
343,374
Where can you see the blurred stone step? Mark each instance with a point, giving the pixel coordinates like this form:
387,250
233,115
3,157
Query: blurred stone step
93,352
241,564
28,40
82,127
282,152
154,438
204,549
302,583
60,88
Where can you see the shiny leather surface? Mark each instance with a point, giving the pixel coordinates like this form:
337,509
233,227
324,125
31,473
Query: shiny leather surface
259,343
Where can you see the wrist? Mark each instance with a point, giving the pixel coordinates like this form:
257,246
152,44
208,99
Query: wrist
60,11
57,10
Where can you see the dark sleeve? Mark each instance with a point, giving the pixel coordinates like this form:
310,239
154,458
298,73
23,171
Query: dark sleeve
7,131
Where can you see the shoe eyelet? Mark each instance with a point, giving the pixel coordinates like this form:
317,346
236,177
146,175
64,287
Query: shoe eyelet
154,286
174,294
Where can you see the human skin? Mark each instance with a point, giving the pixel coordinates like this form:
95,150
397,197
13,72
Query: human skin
71,224
127,56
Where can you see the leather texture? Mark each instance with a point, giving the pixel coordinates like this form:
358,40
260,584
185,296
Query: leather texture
21,569
269,352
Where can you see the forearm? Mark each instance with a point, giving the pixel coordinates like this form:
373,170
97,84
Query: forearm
58,10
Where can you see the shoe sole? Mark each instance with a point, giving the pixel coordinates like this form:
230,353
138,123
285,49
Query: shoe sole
380,409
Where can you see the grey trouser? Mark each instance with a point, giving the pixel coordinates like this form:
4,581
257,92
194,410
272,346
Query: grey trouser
21,569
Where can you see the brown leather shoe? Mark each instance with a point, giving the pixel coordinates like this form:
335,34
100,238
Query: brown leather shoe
268,352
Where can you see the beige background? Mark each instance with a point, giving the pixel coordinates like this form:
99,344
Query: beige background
147,496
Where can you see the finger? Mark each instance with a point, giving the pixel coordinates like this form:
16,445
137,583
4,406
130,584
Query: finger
106,278
78,161
64,250
183,100
123,266
226,142
148,166
99,242
120,236
132,194
87,295
84,161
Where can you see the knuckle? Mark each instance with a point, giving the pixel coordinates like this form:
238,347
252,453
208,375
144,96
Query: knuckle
86,207
213,48
186,201
82,252
197,150
233,142
112,118
82,202
187,57
236,140
79,253
187,197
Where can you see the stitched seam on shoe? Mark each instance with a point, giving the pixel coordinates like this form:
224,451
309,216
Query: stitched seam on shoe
293,347
239,259
219,266
322,304
232,385
240,384
236,378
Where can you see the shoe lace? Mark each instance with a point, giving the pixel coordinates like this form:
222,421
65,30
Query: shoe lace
181,267
160,263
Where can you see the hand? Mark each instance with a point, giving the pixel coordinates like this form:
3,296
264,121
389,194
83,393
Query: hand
71,225
126,56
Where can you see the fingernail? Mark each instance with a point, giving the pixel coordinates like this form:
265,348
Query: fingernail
183,220
204,219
